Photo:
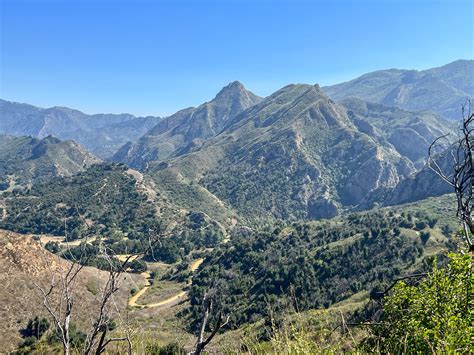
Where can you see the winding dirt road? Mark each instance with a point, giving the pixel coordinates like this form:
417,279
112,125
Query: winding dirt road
132,302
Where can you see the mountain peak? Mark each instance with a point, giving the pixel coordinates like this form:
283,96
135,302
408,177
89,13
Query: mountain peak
231,90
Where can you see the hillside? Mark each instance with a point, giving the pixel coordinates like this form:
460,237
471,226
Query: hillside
296,154
103,198
312,265
112,202
101,134
187,129
24,263
442,90
24,160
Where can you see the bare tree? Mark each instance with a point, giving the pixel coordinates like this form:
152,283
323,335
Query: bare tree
461,174
58,298
208,305
61,311
97,337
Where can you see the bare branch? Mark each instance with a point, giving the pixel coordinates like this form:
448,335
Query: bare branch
461,178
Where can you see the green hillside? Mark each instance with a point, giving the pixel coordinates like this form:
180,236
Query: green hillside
317,264
24,160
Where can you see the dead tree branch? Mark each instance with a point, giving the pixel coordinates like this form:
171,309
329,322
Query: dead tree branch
208,308
460,175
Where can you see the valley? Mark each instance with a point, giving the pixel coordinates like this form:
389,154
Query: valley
243,218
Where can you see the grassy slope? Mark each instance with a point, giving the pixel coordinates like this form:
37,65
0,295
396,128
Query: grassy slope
24,263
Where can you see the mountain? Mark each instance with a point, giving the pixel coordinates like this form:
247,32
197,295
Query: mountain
187,129
294,155
442,90
102,134
24,160
410,132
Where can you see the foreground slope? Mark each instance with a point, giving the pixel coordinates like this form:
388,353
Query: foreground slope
24,265
442,89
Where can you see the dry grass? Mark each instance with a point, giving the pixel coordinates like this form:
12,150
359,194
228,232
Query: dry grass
24,263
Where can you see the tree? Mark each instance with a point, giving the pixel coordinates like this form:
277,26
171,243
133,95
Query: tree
461,174
209,309
36,327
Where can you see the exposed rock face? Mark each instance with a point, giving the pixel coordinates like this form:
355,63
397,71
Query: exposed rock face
101,134
409,132
425,183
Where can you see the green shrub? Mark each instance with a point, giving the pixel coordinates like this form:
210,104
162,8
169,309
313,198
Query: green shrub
170,349
436,316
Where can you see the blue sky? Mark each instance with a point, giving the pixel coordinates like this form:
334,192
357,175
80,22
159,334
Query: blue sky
155,57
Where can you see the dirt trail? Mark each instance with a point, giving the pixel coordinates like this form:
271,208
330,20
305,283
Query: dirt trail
123,257
132,302
4,211
78,242
195,264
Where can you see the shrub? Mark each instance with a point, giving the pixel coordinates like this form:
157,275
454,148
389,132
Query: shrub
35,328
170,349
435,316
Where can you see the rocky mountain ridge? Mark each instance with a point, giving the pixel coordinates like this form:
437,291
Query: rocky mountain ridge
187,129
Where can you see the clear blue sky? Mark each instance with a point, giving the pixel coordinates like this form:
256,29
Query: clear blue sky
155,57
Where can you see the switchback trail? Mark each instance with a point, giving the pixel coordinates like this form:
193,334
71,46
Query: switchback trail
132,302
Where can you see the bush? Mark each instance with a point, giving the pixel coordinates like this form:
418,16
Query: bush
170,349
27,346
52,247
77,337
435,316
424,235
35,328
137,266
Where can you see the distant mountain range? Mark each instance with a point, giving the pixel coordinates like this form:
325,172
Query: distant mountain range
442,90
101,134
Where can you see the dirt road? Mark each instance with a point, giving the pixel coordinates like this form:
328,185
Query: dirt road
132,302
